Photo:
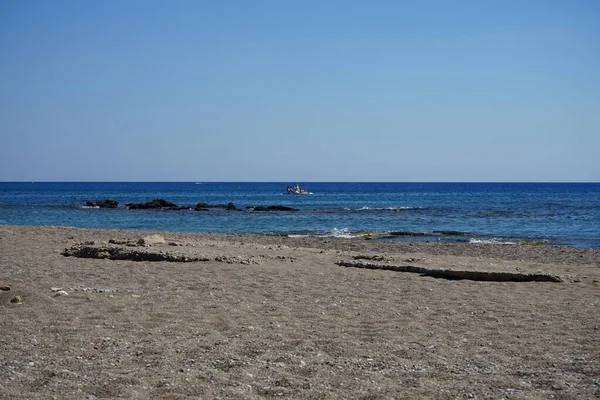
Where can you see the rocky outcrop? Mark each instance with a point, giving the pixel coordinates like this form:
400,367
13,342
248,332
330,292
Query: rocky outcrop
102,204
489,276
155,204
120,253
161,204
151,240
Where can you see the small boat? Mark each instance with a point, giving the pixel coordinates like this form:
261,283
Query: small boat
305,192
297,190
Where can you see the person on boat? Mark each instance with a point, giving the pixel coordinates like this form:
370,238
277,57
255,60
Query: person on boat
290,190
297,188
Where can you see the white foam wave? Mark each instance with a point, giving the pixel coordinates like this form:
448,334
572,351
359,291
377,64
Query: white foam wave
90,206
340,233
343,233
365,208
491,241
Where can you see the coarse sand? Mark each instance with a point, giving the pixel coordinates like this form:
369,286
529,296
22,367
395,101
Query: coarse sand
93,314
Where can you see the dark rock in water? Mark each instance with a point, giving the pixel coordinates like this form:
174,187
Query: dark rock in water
202,206
407,233
154,204
272,208
102,204
205,206
451,233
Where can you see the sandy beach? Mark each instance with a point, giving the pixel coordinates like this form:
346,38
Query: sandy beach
92,314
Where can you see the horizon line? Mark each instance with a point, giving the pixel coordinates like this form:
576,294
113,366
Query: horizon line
308,181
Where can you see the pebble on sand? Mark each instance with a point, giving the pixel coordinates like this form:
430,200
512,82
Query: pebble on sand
16,299
151,240
5,288
61,293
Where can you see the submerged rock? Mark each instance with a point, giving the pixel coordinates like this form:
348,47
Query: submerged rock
272,208
103,204
202,206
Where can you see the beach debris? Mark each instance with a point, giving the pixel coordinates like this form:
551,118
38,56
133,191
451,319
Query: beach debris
61,293
4,288
151,240
93,290
16,299
456,274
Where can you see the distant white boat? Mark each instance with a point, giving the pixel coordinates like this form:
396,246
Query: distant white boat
198,183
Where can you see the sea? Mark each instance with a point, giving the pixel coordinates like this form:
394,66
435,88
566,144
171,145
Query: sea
555,214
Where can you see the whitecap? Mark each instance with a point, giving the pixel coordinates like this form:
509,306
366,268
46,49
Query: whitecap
490,241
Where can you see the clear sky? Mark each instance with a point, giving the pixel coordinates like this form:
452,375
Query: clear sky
299,90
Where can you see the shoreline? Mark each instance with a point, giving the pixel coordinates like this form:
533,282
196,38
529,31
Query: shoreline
255,316
562,254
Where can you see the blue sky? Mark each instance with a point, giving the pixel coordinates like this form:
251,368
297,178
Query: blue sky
299,90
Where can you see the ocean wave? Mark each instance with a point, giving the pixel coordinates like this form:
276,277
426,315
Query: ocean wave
401,208
496,213
346,233
491,241
340,233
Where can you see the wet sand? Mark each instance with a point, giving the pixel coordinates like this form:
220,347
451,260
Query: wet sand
261,317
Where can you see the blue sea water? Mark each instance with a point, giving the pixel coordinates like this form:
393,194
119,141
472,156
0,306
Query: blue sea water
556,213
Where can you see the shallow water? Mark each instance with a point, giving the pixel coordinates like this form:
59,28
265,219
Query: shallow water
553,213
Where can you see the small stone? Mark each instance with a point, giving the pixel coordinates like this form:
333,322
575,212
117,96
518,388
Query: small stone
61,293
151,240
16,299
5,288
56,289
